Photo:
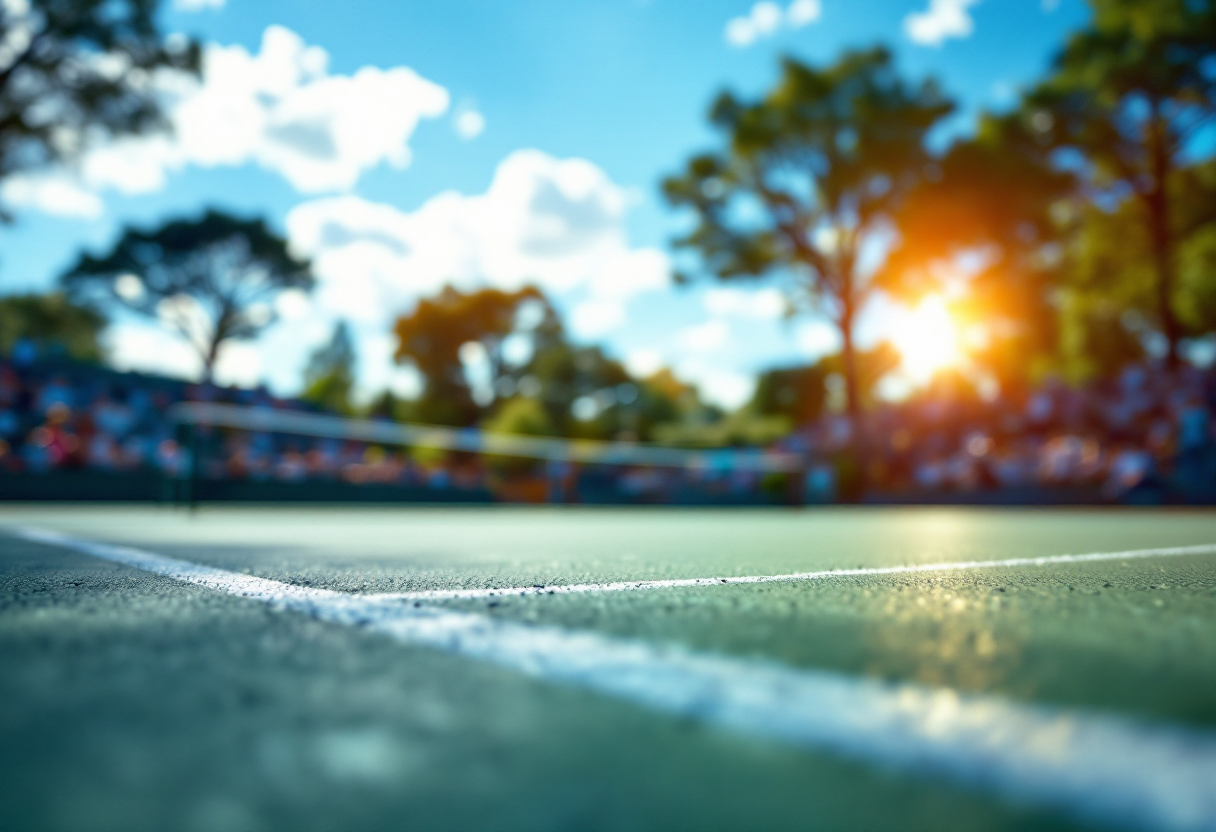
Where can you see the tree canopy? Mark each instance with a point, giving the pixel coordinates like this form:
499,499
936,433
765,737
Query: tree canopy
433,336
74,71
212,279
1128,100
52,321
808,182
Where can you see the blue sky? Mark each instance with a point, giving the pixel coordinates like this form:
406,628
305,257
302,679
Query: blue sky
403,145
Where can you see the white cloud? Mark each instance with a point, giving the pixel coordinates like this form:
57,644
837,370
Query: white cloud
555,223
145,347
705,337
802,12
766,18
197,5
280,109
469,124
817,338
51,193
727,388
643,363
941,20
761,304
593,319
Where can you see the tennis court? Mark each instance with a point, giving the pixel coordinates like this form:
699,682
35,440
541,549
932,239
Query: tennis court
558,668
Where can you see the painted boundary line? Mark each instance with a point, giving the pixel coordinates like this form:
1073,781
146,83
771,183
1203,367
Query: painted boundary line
1100,768
676,583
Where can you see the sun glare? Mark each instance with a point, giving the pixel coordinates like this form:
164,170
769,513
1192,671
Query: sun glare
927,338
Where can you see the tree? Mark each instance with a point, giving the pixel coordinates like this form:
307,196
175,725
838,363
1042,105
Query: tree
808,183
989,218
73,71
589,395
329,377
213,279
433,336
1129,100
796,393
50,320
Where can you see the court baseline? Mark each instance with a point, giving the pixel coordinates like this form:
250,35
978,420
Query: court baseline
678,583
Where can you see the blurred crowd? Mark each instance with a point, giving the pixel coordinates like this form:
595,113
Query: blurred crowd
66,415
1144,436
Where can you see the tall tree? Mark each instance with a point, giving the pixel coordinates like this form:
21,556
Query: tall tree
435,334
212,279
1130,98
72,71
329,377
807,184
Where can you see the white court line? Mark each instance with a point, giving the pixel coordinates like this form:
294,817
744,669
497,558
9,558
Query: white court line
675,583
1100,768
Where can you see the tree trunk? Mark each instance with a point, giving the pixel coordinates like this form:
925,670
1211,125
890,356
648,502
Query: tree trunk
209,360
852,386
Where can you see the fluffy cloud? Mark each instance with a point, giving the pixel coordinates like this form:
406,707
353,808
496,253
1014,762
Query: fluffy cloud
718,385
941,20
817,338
53,193
280,109
197,5
556,223
469,124
593,319
760,304
706,337
766,18
144,347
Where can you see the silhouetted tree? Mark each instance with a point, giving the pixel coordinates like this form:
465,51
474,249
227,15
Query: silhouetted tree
808,182
213,279
72,71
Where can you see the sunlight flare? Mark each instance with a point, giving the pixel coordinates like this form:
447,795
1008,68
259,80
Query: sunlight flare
927,337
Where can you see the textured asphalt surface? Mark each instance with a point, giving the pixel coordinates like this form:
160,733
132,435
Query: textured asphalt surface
129,701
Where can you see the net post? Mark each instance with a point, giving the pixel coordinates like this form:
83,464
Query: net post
192,467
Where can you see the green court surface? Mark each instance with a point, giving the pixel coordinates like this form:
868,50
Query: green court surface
131,700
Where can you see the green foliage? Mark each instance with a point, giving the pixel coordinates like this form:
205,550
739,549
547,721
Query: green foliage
1129,96
797,393
213,279
742,428
329,377
80,70
51,321
522,416
812,173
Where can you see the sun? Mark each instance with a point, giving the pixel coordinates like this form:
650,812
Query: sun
927,338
